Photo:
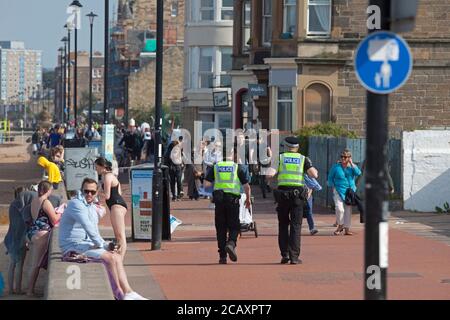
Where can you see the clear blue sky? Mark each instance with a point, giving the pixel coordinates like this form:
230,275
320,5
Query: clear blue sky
39,23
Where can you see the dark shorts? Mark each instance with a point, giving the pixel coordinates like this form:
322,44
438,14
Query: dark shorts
117,201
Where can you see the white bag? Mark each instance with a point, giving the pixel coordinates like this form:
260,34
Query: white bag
245,215
174,223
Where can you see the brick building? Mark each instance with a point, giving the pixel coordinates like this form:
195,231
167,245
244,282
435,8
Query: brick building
308,65
133,48
82,81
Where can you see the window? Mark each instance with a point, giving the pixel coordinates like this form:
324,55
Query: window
207,10
290,18
209,66
319,17
226,65
284,103
317,104
227,10
205,73
246,24
212,10
267,22
174,9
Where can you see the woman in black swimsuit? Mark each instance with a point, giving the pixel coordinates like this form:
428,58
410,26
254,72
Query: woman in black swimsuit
115,202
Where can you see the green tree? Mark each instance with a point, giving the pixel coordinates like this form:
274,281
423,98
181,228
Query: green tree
148,115
48,78
84,102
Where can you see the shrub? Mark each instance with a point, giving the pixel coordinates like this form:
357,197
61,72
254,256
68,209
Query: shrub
446,208
323,129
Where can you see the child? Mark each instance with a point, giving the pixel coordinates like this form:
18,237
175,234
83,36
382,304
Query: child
312,185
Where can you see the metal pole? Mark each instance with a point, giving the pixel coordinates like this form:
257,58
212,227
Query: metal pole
61,93
90,81
75,76
127,97
64,83
377,205
68,75
105,73
157,172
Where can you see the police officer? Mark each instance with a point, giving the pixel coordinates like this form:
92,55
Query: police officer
290,195
228,177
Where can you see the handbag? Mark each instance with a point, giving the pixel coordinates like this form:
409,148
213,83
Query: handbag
350,197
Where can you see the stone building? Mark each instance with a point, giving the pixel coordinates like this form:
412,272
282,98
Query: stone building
308,66
98,61
141,91
133,55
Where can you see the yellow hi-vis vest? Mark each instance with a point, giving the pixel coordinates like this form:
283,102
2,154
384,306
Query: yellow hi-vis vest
290,170
226,177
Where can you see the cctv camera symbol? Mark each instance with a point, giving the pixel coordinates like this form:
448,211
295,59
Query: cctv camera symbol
383,51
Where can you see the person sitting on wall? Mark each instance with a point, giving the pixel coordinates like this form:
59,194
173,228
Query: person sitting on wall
78,232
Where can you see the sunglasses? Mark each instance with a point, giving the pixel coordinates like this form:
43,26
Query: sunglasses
90,191
345,157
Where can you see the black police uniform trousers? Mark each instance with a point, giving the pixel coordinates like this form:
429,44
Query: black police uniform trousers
290,217
227,221
175,173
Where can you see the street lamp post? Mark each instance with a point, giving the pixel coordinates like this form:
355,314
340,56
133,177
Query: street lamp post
64,40
60,95
68,27
91,21
157,172
127,87
78,5
105,72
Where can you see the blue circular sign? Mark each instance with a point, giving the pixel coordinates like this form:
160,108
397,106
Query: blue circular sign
383,62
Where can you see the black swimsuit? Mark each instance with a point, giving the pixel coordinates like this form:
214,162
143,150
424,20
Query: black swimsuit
115,198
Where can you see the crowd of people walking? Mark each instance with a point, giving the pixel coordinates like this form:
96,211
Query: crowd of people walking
223,176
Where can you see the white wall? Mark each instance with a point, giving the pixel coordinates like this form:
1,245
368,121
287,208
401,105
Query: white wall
426,169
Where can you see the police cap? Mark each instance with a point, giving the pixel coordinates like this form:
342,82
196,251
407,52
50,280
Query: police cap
292,142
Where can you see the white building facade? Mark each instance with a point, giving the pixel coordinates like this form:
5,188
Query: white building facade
208,47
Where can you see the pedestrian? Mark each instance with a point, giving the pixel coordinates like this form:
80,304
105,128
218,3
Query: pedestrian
341,178
57,157
132,148
117,206
228,178
290,196
148,146
44,218
54,138
79,233
312,186
52,171
213,155
15,242
194,173
35,140
175,170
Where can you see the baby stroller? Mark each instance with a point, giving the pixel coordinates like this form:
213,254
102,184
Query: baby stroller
246,217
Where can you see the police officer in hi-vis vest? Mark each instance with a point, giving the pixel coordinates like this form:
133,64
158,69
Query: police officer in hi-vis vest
290,195
228,177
